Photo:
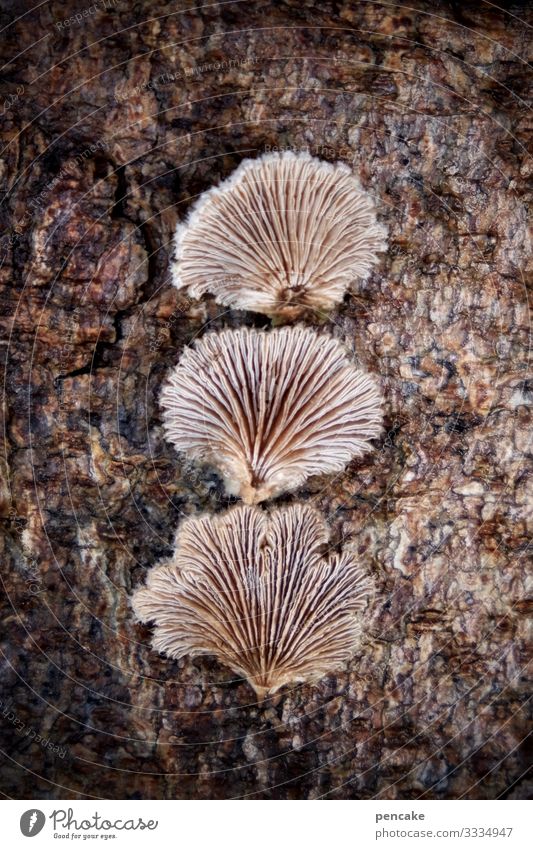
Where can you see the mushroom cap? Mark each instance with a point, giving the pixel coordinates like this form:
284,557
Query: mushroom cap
254,589
285,234
270,408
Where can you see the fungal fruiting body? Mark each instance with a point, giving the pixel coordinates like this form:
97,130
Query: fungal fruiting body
255,590
268,409
283,235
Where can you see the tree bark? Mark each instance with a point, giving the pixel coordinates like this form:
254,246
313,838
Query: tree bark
112,125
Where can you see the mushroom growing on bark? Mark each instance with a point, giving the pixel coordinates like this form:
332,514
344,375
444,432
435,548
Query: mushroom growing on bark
283,235
268,409
255,590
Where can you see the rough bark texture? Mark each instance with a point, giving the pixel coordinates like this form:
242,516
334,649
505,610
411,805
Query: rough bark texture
103,152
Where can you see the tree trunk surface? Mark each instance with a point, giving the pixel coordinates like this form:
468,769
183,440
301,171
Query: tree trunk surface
115,118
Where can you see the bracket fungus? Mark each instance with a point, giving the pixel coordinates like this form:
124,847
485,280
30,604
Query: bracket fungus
270,408
283,235
255,590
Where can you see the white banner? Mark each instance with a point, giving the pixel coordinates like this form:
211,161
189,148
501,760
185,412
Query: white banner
244,824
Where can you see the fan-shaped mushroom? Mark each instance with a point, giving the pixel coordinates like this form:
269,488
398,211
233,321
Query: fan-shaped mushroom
254,589
268,409
285,234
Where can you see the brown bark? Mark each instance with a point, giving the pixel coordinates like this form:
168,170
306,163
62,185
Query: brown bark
103,153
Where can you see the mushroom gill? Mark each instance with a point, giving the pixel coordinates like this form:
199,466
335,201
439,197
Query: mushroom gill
285,234
268,409
254,589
